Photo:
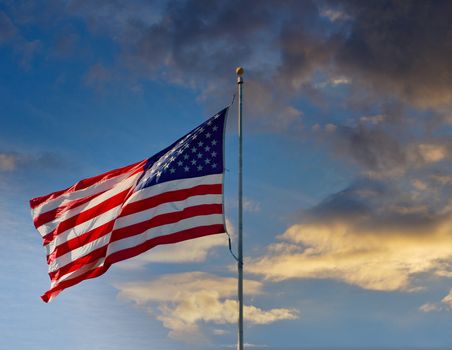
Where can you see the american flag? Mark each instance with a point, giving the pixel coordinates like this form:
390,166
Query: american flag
175,195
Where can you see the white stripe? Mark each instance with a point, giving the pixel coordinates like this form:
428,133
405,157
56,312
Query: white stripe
83,228
130,219
138,217
164,230
121,186
78,272
165,208
175,185
86,249
86,192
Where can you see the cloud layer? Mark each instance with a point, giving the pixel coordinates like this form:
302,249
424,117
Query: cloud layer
445,305
367,235
184,301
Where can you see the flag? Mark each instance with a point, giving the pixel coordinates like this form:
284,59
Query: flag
175,195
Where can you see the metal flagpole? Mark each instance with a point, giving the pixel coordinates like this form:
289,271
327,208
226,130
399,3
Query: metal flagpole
239,71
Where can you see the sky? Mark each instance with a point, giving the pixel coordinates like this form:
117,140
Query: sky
347,169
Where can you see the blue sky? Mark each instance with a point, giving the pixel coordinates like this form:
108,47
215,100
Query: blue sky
348,154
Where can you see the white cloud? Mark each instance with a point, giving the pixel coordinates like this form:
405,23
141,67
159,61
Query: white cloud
429,307
356,252
186,300
447,300
372,119
445,305
251,206
334,15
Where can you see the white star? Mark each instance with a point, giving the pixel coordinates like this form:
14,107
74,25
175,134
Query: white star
199,167
207,160
172,170
207,148
180,163
213,154
186,168
208,135
159,173
166,166
186,156
201,130
215,128
214,165
193,161
209,122
199,155
171,159
200,143
180,151
194,137
194,149
214,142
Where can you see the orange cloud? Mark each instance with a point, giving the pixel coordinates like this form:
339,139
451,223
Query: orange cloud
184,300
350,250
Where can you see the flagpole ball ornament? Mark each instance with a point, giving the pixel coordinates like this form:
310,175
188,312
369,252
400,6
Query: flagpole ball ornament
239,71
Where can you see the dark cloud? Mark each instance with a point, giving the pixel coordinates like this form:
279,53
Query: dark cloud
381,206
392,57
400,47
392,49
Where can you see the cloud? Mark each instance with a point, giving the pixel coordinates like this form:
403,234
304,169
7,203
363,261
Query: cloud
13,161
448,300
396,48
445,305
8,161
97,76
7,28
383,50
370,235
185,301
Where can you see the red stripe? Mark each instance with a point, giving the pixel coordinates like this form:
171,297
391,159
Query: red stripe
180,236
136,167
170,196
143,205
80,241
78,263
73,281
86,215
134,251
165,219
53,214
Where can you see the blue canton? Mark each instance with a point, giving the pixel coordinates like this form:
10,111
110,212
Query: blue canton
198,153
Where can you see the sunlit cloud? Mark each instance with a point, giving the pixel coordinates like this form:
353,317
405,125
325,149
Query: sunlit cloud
367,236
182,302
444,305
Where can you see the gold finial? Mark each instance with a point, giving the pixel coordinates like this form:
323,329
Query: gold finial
239,71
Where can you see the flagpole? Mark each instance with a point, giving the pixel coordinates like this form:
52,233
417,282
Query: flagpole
239,71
